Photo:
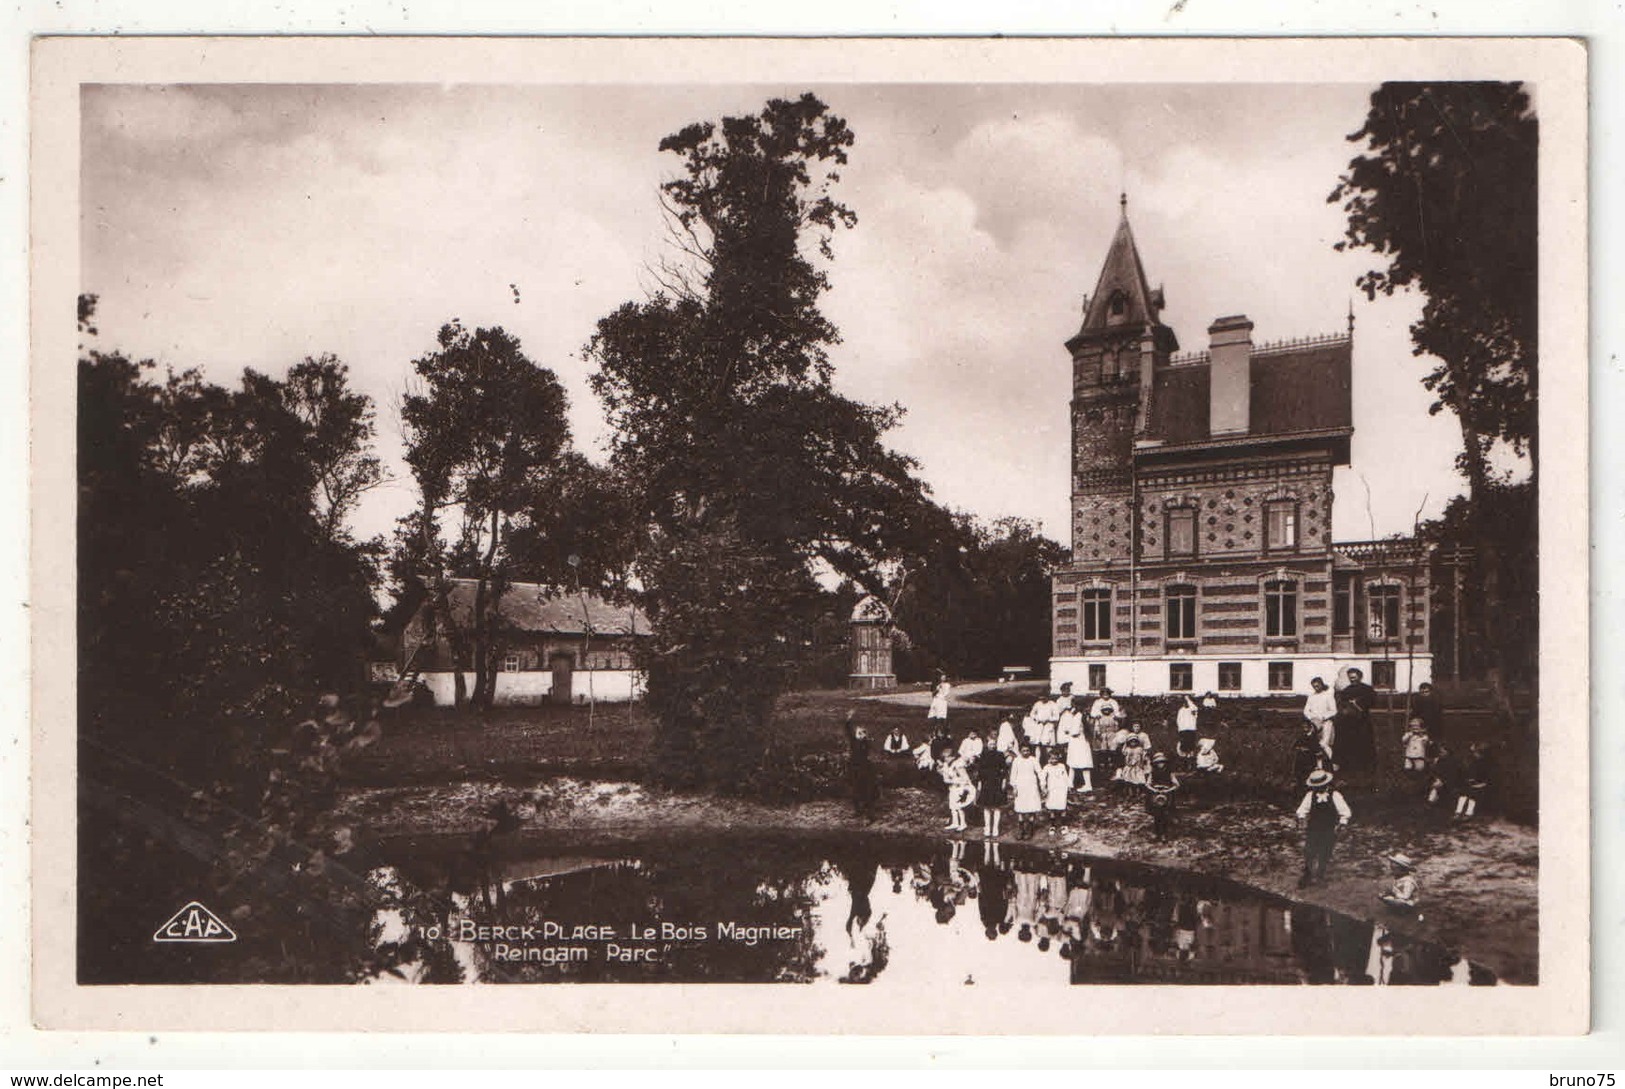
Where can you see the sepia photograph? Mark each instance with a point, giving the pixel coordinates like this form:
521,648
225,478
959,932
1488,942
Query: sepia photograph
886,533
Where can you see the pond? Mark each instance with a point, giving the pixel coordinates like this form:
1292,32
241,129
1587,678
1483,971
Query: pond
856,910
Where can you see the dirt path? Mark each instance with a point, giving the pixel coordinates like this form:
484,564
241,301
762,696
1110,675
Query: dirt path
1478,880
959,697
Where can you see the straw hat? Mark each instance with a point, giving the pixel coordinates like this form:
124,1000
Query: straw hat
1159,758
1402,861
1318,778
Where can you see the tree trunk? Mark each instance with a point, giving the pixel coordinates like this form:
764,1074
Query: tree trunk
484,672
1486,604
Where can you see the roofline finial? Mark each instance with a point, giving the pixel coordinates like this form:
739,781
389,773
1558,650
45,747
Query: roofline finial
1122,202
1351,316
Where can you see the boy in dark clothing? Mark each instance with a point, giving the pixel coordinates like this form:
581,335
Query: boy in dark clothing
1447,772
1477,773
1160,794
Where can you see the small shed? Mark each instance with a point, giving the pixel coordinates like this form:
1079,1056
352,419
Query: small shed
871,645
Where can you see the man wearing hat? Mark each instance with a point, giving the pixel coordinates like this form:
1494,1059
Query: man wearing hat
1322,811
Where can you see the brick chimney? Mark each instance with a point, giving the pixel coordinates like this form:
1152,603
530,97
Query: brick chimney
1230,349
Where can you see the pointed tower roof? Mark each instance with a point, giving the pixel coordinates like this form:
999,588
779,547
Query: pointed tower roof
1122,295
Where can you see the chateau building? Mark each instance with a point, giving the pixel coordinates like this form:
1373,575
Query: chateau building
1202,552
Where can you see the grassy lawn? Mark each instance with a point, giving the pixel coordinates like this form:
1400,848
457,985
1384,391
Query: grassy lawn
523,744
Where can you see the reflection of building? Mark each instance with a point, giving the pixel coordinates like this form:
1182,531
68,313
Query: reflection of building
551,648
1202,555
871,645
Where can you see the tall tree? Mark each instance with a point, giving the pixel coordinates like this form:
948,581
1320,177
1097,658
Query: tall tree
1446,192
484,432
750,472
210,599
340,428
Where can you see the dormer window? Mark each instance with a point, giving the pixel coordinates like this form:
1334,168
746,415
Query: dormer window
1116,307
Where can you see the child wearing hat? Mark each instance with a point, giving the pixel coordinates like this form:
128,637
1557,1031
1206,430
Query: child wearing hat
1323,811
1159,799
1135,751
1402,894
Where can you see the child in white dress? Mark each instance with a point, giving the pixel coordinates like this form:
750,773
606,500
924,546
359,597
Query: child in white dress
1057,781
960,791
1027,791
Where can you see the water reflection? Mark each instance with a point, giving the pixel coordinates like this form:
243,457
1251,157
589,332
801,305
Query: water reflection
760,909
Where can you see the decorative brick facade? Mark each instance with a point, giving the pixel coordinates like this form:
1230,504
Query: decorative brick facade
1202,510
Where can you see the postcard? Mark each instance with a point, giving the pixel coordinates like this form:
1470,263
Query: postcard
813,536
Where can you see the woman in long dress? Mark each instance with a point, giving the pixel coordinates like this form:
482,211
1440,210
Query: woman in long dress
1080,753
939,700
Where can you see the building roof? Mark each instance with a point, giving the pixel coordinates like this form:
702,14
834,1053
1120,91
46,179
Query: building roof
531,607
1122,276
1298,388
871,610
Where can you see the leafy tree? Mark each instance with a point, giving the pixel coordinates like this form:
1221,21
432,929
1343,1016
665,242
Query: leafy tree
340,428
980,600
483,437
751,474
1446,193
208,589
1513,639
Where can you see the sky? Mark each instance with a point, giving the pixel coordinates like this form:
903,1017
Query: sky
233,226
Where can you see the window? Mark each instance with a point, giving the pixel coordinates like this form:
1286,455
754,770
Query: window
1280,608
1229,676
1180,678
1280,676
1182,532
1117,306
1097,614
1281,524
1383,607
1343,607
1382,675
1180,608
510,664
1097,676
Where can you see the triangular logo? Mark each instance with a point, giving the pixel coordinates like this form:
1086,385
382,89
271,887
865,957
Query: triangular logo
194,923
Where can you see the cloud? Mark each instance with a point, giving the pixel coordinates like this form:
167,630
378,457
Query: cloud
249,226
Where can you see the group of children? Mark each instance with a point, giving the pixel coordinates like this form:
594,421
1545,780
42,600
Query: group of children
1049,760
1040,766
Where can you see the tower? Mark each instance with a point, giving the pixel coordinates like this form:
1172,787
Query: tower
1114,356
